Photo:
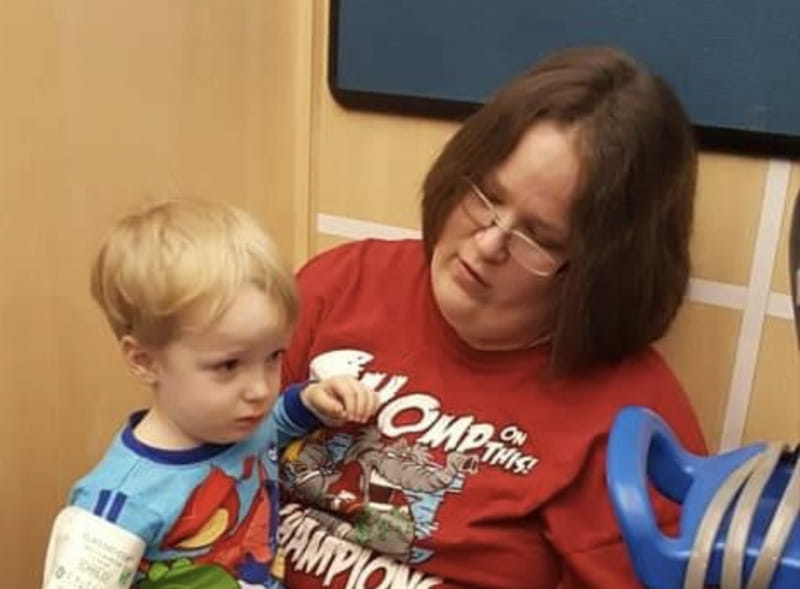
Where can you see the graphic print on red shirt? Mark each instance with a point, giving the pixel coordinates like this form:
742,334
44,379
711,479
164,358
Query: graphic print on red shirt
385,489
476,471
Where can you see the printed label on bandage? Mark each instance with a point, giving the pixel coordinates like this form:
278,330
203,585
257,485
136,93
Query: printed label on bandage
88,552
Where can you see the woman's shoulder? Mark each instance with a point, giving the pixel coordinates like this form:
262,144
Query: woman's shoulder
366,255
648,363
646,379
643,378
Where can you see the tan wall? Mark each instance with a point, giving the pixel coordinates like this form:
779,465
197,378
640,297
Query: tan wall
106,102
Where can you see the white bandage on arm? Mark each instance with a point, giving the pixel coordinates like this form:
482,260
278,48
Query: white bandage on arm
87,551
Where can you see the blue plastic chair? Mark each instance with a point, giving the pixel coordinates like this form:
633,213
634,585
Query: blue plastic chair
643,449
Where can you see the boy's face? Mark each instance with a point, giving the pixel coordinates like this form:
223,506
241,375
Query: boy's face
219,384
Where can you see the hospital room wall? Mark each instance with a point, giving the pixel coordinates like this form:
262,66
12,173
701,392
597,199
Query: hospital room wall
104,106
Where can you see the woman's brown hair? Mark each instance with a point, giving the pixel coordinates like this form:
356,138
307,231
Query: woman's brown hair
631,221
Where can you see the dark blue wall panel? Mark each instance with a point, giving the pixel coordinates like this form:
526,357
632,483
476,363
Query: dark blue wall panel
734,63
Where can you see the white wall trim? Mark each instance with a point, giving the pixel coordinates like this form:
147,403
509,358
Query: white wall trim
719,294
351,228
755,309
780,305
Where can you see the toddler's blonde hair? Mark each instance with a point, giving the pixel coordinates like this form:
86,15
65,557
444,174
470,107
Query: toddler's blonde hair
177,265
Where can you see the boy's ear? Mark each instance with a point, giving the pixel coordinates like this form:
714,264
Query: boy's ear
140,360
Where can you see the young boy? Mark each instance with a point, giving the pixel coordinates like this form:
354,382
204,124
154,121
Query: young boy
186,496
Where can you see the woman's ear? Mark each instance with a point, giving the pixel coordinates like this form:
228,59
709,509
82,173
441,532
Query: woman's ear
140,359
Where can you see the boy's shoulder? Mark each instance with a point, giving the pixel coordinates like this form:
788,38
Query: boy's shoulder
113,469
126,455
146,479
107,491
128,464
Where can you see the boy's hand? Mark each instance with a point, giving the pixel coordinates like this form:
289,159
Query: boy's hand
339,399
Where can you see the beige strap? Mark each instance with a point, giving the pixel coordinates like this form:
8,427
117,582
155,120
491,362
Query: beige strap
709,525
741,522
777,533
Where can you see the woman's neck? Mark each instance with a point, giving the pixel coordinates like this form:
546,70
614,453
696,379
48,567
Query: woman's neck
502,342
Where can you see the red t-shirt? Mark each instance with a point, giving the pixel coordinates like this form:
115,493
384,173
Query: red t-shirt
477,471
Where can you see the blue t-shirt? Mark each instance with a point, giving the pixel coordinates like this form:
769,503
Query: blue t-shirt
209,515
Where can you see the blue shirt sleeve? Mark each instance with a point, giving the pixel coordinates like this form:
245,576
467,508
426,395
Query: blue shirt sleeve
115,506
290,417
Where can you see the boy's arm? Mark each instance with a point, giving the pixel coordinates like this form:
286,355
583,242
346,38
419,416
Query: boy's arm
86,550
290,417
100,537
306,406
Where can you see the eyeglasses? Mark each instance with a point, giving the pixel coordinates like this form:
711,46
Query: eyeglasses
525,250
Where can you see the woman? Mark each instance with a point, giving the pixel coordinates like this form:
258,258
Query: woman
555,224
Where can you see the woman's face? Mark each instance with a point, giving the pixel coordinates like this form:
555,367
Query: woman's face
490,300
